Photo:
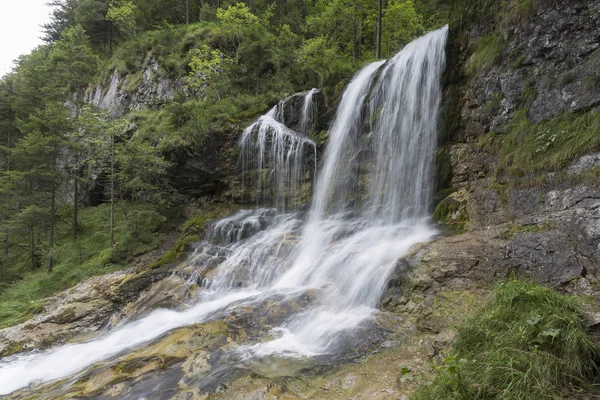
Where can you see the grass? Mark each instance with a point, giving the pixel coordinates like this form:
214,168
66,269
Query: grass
527,342
528,148
76,261
488,52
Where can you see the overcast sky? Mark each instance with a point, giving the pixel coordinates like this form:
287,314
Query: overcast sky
20,29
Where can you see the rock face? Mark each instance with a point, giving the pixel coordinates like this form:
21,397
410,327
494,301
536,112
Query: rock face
121,95
80,313
550,65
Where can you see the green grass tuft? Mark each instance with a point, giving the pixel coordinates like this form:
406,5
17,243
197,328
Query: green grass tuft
528,342
528,148
488,52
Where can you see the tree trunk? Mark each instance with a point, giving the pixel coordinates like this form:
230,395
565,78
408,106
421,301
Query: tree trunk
110,37
11,117
379,18
51,239
75,202
112,190
354,37
6,248
33,260
187,11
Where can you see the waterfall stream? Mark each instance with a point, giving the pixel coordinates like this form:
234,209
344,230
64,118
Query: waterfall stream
370,205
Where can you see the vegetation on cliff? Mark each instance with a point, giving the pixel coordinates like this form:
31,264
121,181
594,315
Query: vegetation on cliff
527,342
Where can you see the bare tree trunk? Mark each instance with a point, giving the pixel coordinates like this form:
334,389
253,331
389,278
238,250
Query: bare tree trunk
354,36
33,261
51,239
112,190
379,18
75,202
6,247
110,37
187,11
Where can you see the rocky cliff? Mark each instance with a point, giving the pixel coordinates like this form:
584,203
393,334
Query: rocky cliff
534,214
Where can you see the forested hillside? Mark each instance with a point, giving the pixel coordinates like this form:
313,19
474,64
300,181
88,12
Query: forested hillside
86,188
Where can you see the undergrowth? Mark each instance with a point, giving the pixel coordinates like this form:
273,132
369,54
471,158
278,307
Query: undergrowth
527,342
488,53
78,260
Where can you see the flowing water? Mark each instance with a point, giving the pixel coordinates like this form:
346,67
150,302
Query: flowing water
370,205
277,161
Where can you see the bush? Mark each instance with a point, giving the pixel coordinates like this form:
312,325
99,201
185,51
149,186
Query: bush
528,342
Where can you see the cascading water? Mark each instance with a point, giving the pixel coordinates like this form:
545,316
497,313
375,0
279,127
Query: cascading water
370,205
278,156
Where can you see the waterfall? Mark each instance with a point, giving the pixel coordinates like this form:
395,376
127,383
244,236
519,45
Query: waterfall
307,118
370,205
278,156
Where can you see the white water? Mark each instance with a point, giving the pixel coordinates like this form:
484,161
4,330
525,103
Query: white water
370,206
283,159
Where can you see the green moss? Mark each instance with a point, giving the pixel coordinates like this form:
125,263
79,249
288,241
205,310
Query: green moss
451,213
527,342
169,257
515,229
196,224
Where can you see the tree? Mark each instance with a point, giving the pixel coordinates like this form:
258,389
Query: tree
379,23
73,64
143,177
38,153
62,16
401,24
123,14
208,68
91,15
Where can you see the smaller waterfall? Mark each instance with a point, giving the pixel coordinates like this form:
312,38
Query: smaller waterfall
241,225
277,162
308,116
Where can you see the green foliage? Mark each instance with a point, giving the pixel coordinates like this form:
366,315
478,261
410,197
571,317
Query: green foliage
72,62
76,261
186,124
123,14
401,24
528,342
528,147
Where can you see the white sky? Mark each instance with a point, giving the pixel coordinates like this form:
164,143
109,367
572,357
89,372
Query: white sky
20,29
